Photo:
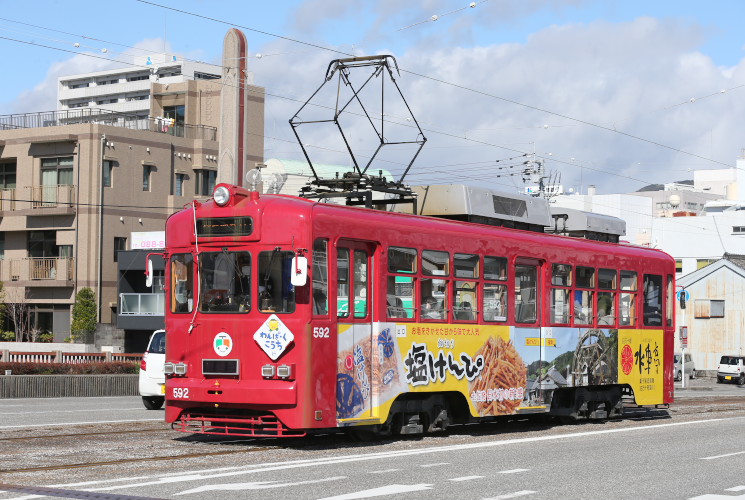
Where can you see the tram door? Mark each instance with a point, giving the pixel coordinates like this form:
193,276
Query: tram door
354,388
530,338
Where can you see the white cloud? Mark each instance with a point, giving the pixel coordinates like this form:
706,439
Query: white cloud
627,76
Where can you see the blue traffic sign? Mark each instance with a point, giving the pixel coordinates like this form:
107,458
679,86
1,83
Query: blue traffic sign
684,292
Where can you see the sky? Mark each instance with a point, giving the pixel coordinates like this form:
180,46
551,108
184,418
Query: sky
616,94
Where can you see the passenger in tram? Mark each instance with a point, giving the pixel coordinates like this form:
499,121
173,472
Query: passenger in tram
431,309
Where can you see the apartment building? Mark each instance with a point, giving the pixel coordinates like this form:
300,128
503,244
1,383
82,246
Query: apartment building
127,90
76,183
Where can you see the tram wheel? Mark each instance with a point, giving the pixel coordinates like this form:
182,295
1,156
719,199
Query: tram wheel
153,402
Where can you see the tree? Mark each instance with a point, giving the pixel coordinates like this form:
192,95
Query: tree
84,314
18,309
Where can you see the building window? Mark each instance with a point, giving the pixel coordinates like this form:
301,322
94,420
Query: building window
2,246
146,171
205,182
708,308
175,113
701,263
78,85
42,244
56,171
738,229
108,166
8,175
79,105
178,186
120,243
136,78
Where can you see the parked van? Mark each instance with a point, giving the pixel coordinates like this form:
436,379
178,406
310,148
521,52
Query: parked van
731,369
152,378
690,367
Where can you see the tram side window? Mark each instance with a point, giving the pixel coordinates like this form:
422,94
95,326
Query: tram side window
495,268
400,297
584,300
276,292
225,285
342,283
182,283
495,302
401,260
652,300
561,276
526,280
434,299
627,299
320,277
607,280
360,284
466,265
465,301
435,263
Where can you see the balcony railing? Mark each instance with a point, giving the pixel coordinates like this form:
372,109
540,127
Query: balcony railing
51,196
104,117
56,268
37,269
7,199
141,304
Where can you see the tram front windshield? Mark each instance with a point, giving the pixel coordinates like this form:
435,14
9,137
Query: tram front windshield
225,285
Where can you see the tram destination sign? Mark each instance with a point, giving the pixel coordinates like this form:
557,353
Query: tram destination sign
224,226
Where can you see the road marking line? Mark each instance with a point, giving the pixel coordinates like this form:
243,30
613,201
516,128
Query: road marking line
83,423
465,478
435,465
262,485
382,471
70,411
736,488
211,474
723,456
513,471
512,495
391,489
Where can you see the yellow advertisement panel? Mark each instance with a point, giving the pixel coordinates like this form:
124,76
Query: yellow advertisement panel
640,364
499,369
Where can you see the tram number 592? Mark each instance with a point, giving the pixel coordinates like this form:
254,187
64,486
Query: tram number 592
320,332
180,393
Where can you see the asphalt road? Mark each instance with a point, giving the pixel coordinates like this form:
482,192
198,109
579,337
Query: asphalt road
114,448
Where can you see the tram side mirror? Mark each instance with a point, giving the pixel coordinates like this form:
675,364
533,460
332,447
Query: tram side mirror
299,271
149,273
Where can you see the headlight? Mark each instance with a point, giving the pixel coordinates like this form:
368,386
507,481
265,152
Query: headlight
221,195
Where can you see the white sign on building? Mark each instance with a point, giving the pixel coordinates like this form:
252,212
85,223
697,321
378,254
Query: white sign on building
149,240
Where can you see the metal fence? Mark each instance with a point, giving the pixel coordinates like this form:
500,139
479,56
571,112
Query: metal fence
104,117
55,386
8,356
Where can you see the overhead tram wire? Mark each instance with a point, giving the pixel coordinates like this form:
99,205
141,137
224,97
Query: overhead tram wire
462,87
485,143
434,131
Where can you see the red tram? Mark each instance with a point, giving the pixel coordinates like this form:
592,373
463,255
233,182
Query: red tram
286,316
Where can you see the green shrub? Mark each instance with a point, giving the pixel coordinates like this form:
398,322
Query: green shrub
7,336
114,367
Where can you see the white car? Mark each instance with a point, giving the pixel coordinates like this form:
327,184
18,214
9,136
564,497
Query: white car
152,378
731,369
